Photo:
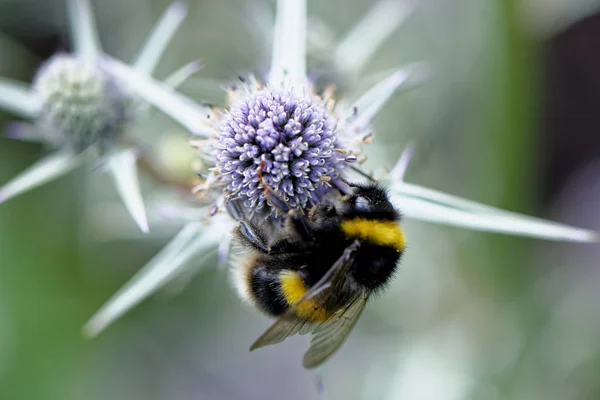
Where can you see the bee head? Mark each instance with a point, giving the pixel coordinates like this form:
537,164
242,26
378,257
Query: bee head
371,202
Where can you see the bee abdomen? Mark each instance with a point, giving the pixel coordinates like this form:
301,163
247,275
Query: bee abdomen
276,290
265,288
293,288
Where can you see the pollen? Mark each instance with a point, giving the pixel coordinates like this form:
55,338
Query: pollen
380,233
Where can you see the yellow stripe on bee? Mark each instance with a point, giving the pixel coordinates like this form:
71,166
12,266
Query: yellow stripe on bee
381,233
293,289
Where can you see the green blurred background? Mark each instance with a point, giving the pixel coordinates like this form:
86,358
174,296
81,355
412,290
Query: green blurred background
471,315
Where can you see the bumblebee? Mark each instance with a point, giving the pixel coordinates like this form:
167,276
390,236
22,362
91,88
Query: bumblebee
315,270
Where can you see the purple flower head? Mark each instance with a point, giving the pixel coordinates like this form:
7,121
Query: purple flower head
293,135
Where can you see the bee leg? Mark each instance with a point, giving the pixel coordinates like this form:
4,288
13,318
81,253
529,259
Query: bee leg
300,232
234,209
251,236
275,200
300,225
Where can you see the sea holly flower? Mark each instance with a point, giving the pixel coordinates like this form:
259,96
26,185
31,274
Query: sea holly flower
82,112
291,137
281,131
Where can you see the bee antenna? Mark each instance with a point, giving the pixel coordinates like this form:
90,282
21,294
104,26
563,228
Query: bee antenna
347,182
364,174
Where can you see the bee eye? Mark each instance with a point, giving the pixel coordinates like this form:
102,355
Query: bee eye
362,204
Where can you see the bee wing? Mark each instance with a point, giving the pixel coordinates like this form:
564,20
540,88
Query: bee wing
288,324
307,328
329,336
281,330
